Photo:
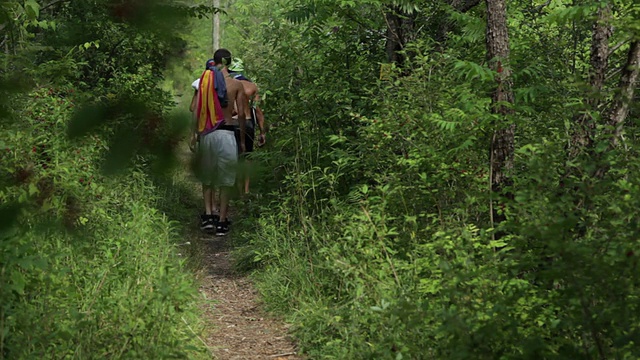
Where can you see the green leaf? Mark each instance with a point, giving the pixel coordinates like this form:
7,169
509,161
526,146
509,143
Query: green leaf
497,243
18,282
32,9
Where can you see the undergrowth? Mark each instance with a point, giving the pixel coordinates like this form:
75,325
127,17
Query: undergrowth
90,266
375,237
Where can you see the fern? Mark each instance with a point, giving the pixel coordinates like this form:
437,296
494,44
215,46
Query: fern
469,70
302,13
566,15
407,7
355,196
443,124
473,28
465,146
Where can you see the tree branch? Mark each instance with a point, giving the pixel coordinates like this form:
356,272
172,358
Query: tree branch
467,5
54,2
617,113
584,126
618,46
540,7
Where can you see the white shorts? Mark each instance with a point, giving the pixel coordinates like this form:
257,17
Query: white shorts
218,158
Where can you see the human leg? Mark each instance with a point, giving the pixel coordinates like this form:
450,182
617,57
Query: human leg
207,194
207,220
222,227
246,180
226,149
207,167
211,198
249,141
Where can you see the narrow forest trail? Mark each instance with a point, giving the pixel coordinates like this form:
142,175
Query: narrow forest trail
240,329
237,326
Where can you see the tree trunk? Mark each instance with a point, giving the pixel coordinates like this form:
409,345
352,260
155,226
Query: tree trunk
583,131
400,30
502,143
619,109
216,26
602,31
393,45
498,55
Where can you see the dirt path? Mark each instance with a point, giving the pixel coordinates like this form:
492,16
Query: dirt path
241,329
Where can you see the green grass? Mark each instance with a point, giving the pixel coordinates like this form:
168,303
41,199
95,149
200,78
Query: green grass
93,267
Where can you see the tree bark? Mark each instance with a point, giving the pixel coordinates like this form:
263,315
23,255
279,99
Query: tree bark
619,109
400,30
216,26
502,143
617,112
583,131
393,44
602,31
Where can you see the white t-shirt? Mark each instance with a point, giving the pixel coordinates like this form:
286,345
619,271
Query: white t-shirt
196,84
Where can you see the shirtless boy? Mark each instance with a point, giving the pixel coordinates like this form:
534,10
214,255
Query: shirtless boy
217,149
253,115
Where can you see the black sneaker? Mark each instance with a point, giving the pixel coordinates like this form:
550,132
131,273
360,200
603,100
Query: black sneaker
223,228
207,222
204,220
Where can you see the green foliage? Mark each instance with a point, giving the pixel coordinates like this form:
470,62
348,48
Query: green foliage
374,231
88,263
89,259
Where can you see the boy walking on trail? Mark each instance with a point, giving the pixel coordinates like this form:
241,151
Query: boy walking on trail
214,137
253,114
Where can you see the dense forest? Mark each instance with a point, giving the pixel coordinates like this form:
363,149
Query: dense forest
443,179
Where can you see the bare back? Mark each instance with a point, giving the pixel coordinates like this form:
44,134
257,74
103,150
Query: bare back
250,90
237,100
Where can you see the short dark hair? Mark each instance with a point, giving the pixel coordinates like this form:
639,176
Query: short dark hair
222,56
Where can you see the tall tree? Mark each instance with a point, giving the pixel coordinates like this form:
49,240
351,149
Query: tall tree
502,143
584,126
618,111
400,29
216,25
616,114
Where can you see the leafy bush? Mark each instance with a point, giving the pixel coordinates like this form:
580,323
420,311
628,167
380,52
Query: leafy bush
89,268
88,264
375,232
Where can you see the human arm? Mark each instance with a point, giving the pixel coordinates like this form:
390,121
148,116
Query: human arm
194,120
263,130
194,101
258,114
250,88
241,99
